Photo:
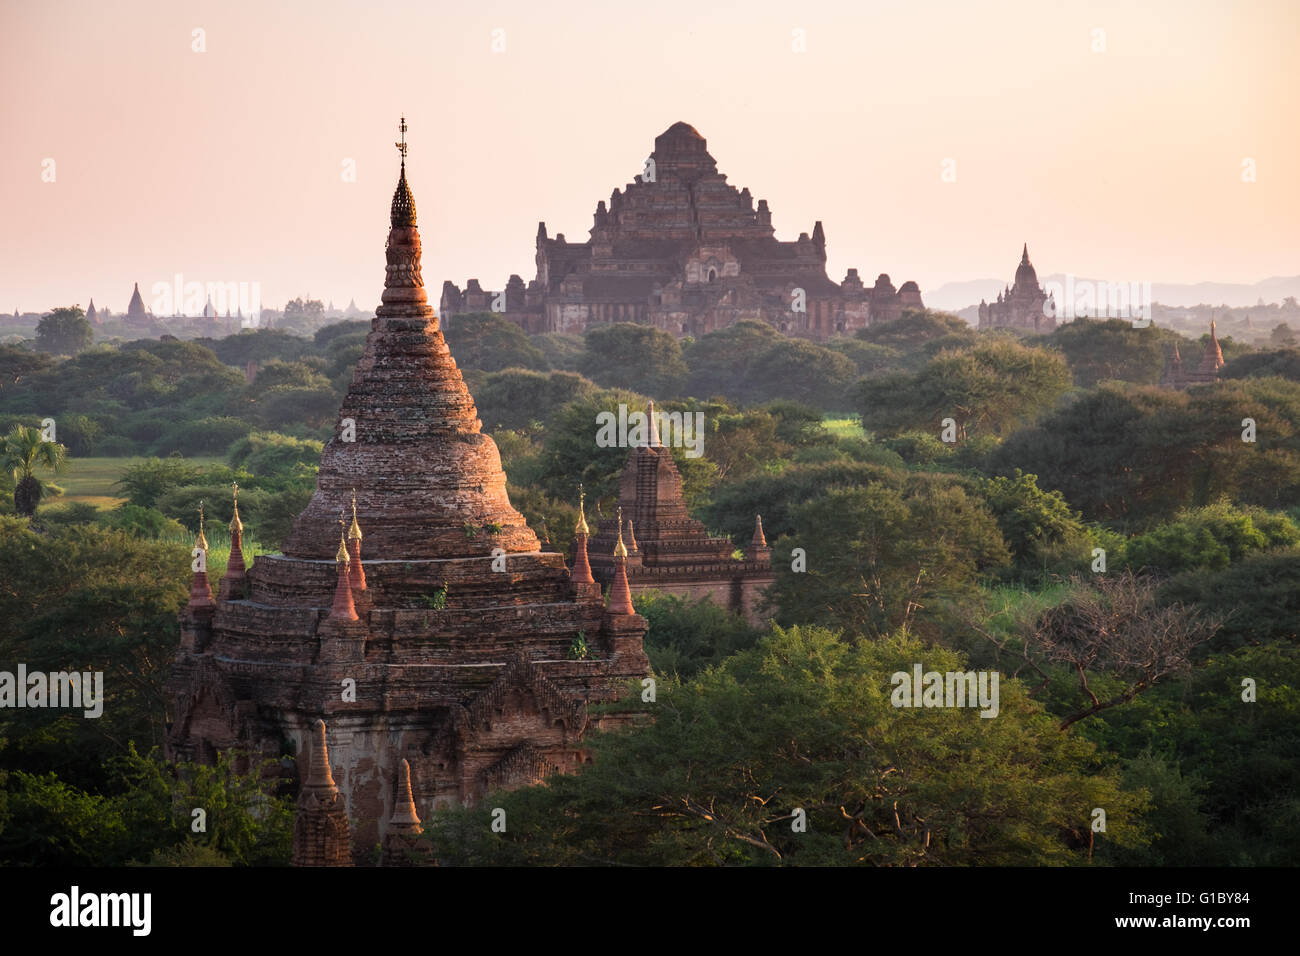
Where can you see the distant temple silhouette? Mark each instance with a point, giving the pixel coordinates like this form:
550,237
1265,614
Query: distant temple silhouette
1023,305
682,250
1176,375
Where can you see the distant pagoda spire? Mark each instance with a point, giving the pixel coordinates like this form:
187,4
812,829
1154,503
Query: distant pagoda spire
759,540
135,309
343,609
653,441
357,574
1212,360
581,571
232,585
631,537
620,595
200,589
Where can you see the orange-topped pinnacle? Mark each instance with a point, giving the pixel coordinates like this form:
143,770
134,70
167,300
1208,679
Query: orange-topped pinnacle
620,549
1212,360
202,540
200,589
620,595
580,573
759,540
356,573
232,584
343,609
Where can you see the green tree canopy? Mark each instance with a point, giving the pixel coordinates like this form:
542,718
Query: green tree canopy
885,555
804,722
64,331
491,342
986,389
637,357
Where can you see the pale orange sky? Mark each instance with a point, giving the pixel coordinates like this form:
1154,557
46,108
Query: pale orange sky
226,165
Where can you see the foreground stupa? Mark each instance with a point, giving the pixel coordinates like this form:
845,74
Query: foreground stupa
412,608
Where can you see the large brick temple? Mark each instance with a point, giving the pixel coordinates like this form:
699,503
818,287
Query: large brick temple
681,249
412,610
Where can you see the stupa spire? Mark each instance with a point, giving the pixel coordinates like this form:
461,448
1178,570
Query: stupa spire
620,595
404,816
654,426
759,540
321,833
200,589
356,573
343,609
580,573
232,583
410,414
319,776
1212,360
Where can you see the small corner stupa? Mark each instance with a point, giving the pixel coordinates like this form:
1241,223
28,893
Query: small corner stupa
391,614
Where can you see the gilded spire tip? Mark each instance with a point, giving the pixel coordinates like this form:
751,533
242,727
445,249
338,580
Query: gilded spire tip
581,526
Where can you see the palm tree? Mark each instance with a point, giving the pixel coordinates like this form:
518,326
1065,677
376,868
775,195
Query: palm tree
23,451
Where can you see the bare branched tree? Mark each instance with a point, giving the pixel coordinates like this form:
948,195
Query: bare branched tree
1114,626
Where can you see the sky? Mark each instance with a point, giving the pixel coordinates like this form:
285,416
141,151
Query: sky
214,139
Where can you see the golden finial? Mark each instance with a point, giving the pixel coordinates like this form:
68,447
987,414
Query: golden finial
354,532
401,147
341,556
235,524
620,549
581,526
202,541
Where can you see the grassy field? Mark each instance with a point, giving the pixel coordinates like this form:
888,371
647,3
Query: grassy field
90,480
844,427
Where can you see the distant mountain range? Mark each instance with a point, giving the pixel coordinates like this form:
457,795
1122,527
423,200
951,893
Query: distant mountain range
955,296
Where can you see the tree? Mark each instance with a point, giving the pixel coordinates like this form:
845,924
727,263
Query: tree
637,357
790,753
881,556
1115,627
64,332
1029,518
688,636
985,389
146,481
1211,537
491,342
800,371
1258,598
1135,454
1282,336
721,361
1113,349
915,330
24,452
1282,362
516,397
